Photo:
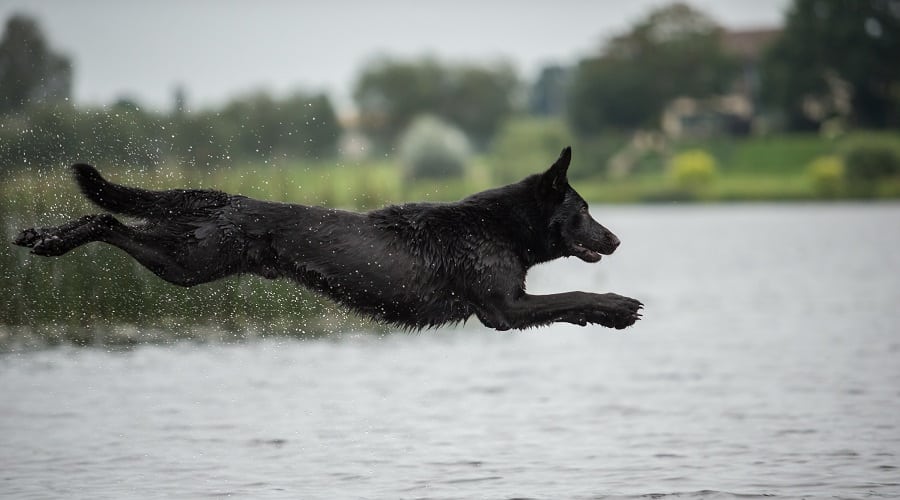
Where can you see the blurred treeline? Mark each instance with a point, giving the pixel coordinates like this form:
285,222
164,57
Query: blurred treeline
832,67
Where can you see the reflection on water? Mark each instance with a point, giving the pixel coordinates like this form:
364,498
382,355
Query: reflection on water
767,364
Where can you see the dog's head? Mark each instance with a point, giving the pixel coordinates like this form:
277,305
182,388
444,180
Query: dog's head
573,230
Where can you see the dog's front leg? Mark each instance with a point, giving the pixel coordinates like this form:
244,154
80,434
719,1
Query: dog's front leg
580,308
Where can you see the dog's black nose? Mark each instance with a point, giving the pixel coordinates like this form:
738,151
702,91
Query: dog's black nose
614,241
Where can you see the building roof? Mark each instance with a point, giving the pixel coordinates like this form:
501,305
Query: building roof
749,44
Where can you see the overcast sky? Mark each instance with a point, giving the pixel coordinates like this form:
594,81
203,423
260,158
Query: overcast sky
216,49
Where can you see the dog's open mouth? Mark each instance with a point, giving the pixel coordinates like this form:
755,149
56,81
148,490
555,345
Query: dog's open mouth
584,253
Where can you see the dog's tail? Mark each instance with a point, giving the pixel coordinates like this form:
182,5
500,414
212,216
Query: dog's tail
143,203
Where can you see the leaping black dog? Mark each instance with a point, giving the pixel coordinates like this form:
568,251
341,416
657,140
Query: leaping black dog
416,265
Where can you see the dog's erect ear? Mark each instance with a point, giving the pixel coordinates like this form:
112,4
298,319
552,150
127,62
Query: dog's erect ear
554,179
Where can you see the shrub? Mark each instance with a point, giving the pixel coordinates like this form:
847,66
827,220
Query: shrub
432,148
693,170
827,175
866,165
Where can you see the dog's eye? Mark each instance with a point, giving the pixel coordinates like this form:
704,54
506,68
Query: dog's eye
584,209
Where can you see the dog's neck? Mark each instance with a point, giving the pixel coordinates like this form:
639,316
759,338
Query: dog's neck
518,210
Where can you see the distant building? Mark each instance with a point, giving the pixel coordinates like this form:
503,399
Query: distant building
749,44
749,47
734,113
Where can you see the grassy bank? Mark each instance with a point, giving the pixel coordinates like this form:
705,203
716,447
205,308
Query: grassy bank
777,168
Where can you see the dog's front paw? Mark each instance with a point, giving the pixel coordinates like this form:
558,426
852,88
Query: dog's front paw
625,310
616,311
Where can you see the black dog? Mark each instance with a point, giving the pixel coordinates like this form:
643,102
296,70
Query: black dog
416,265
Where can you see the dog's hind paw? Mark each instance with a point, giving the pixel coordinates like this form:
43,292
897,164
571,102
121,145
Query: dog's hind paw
50,246
42,242
28,238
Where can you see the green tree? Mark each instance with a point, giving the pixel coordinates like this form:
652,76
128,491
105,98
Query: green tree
310,127
123,134
202,139
255,123
829,42
390,93
300,125
29,71
478,99
257,127
674,51
49,136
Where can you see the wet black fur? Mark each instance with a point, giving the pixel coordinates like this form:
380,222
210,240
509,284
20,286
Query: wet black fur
415,265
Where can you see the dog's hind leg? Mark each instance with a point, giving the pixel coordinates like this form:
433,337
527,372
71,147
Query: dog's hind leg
178,263
153,250
57,240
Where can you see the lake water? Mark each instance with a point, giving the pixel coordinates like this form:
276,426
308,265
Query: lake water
767,363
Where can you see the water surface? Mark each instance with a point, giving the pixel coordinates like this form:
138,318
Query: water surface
768,363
